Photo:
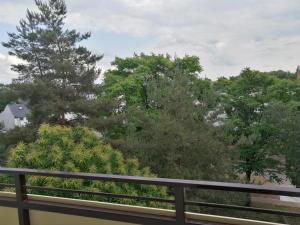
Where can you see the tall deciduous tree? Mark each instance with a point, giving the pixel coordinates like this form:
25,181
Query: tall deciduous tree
251,102
244,102
57,74
284,121
130,77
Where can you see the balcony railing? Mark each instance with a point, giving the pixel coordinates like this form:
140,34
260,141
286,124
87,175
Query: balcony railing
24,204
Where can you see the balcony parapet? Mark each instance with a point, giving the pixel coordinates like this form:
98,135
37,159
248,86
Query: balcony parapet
29,206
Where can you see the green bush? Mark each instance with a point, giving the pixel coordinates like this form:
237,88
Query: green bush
80,149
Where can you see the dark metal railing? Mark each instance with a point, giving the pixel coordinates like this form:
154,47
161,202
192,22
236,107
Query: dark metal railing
23,204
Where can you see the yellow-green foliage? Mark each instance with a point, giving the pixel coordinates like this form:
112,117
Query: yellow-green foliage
80,149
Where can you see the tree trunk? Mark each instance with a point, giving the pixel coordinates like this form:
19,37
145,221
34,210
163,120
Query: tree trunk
62,119
248,176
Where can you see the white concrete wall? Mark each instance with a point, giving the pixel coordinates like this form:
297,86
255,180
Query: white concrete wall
21,123
8,216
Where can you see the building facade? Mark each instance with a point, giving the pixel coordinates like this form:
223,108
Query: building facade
14,115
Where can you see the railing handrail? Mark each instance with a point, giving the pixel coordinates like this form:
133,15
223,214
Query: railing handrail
224,186
178,185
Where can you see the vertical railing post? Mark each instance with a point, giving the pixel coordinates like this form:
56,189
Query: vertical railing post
21,195
179,205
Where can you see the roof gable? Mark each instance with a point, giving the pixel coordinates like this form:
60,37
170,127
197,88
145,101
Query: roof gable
18,110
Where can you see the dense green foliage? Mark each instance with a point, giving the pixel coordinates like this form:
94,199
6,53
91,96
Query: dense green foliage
9,140
131,76
285,121
6,96
164,104
79,149
255,104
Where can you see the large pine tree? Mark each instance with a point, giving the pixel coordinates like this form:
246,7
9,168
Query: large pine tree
57,75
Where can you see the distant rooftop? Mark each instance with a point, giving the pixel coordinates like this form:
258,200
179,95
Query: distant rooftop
18,110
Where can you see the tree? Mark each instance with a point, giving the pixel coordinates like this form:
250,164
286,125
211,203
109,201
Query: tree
128,83
164,105
6,96
285,122
80,149
282,116
244,100
130,76
250,102
57,74
285,75
292,147
173,138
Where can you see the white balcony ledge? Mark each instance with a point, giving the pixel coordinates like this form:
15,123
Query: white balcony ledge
9,216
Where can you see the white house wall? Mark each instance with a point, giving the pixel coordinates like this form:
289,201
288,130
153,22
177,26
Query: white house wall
7,119
21,123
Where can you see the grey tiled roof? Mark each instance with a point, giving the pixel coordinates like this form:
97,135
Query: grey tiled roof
18,110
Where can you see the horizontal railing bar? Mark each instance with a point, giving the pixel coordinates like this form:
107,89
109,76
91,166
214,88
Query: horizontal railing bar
111,195
8,202
244,208
235,187
6,185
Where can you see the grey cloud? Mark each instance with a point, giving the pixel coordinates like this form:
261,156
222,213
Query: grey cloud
6,75
227,35
12,11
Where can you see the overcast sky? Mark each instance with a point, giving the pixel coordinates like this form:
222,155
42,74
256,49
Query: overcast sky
227,35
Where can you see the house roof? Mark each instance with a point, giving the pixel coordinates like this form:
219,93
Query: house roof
18,110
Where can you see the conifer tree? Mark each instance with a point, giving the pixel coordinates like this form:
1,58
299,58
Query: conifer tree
57,75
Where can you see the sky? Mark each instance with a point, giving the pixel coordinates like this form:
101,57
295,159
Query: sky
227,35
